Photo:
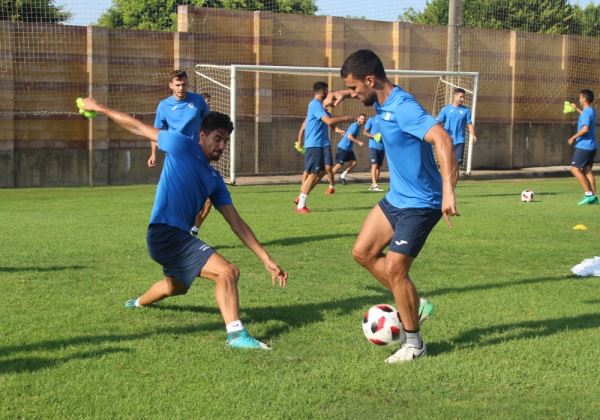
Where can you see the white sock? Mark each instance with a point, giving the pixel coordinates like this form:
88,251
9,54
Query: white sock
414,339
343,175
235,326
331,186
589,193
137,303
302,200
195,229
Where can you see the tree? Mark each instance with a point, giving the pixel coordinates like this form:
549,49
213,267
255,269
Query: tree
543,16
33,11
162,14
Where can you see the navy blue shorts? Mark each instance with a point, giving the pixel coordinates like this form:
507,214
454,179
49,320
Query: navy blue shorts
583,158
376,156
313,160
327,156
181,255
411,227
342,156
459,151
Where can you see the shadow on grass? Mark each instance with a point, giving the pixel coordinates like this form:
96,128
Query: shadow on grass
497,334
32,364
42,269
294,240
496,285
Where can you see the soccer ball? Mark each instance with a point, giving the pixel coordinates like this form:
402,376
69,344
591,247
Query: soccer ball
527,196
381,325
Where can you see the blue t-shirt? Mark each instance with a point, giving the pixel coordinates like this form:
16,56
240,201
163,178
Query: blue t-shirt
372,127
588,140
345,143
415,180
316,132
184,116
186,181
455,120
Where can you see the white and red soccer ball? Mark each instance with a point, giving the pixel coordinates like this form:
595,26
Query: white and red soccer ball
381,325
527,196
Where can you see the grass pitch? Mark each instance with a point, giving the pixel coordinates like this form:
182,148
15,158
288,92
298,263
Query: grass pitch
514,335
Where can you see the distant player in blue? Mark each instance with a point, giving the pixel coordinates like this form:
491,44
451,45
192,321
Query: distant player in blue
183,111
345,148
456,119
418,195
316,142
585,147
186,181
376,151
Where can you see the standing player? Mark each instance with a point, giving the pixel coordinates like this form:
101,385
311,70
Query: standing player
418,196
585,147
186,181
316,142
376,151
456,119
345,153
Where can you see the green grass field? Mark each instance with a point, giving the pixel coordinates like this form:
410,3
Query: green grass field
514,335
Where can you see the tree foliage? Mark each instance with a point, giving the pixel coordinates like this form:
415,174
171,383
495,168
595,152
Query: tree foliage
543,16
162,14
33,11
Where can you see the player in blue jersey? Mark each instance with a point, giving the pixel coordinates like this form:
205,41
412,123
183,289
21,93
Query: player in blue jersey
345,148
316,142
457,119
585,147
419,196
186,181
376,151
183,111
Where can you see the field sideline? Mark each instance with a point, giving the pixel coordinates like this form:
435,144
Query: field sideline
514,335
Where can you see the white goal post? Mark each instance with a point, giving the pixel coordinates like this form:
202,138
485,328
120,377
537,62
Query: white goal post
268,103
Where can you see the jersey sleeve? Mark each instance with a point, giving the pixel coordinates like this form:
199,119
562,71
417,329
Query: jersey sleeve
316,109
586,119
221,196
354,130
160,121
368,125
414,120
441,116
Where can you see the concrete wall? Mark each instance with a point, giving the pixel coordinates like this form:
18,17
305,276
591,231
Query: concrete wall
524,78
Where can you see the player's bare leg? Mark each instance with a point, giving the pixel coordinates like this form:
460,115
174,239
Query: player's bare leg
225,275
160,290
582,179
330,178
589,174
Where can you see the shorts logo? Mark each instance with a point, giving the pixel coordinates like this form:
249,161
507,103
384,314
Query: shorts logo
401,242
204,248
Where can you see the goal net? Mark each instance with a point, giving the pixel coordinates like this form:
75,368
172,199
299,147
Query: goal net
268,105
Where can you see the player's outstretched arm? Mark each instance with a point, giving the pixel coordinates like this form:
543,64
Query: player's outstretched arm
336,97
443,150
124,120
243,231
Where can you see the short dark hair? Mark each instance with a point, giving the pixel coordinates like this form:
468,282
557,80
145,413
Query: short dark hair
363,63
320,87
177,74
215,120
588,95
460,90
362,114
206,95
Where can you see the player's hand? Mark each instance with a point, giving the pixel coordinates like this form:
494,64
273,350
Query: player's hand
152,160
276,273
474,139
570,141
449,208
337,97
90,104
361,143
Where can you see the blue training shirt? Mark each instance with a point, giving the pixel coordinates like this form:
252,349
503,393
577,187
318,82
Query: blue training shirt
588,140
372,127
345,143
415,180
184,116
455,120
186,181
316,132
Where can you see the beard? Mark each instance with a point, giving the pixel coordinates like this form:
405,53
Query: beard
370,99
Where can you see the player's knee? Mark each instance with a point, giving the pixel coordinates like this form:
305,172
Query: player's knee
361,255
575,170
230,275
175,288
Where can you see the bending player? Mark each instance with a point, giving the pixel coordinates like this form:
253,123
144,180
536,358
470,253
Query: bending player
316,142
376,151
186,181
345,153
418,196
456,119
585,147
